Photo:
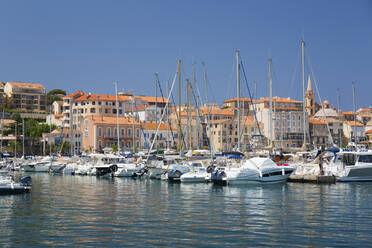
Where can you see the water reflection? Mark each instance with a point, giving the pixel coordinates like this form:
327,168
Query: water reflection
89,211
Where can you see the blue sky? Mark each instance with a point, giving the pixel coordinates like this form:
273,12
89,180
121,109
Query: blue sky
89,44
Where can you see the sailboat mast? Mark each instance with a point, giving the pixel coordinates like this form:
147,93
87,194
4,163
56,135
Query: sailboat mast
238,93
303,91
167,109
196,104
271,105
156,103
117,115
179,105
339,109
189,113
354,104
23,137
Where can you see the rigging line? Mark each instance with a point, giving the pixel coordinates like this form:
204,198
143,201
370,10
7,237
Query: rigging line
169,123
199,115
320,99
294,74
178,121
166,105
250,96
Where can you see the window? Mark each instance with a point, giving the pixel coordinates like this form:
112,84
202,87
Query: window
114,111
122,132
137,131
92,110
116,132
129,132
99,132
99,103
100,144
108,132
106,111
365,159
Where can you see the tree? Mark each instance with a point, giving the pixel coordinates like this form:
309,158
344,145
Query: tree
12,145
55,95
114,147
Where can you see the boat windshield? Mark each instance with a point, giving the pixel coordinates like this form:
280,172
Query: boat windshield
196,165
349,159
365,159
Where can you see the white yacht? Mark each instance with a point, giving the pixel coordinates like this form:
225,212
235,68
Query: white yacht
197,174
252,171
354,166
37,165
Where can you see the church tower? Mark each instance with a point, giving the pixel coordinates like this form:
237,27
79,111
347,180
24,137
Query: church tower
309,98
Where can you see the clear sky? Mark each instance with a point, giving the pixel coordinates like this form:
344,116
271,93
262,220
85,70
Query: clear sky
87,45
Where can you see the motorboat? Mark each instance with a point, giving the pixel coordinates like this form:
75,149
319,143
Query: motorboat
9,186
37,165
252,171
354,166
198,173
127,167
175,171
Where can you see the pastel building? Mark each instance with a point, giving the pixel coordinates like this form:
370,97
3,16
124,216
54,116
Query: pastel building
99,132
26,97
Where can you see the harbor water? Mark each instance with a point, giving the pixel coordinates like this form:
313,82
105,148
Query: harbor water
78,211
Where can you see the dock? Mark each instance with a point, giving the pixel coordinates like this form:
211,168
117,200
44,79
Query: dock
312,179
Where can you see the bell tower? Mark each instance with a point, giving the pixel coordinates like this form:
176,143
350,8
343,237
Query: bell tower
309,98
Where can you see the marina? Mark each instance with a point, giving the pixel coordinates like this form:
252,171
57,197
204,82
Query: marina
185,123
91,211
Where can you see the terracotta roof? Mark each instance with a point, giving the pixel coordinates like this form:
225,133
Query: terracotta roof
185,113
153,126
315,121
242,99
7,121
76,93
111,120
27,85
152,99
351,123
216,111
347,113
101,97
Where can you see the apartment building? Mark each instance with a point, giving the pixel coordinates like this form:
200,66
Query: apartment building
164,138
26,97
99,132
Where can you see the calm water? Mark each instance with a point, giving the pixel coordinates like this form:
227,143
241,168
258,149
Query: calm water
74,211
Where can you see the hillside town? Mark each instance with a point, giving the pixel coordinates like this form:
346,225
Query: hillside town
80,122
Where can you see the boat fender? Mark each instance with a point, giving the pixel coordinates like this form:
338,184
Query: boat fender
283,172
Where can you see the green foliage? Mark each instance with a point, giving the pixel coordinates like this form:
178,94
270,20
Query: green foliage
34,128
114,147
54,95
12,145
50,147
